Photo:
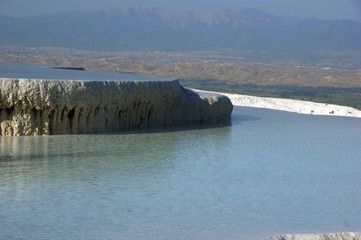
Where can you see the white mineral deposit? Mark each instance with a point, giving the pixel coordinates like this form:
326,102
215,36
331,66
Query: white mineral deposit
328,236
43,107
291,105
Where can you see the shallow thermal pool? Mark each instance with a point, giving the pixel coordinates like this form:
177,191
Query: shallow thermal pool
265,173
42,71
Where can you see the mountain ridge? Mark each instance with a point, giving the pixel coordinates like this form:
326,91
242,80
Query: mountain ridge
174,18
142,28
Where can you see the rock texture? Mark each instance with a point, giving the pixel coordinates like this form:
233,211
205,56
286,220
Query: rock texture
328,236
290,105
38,107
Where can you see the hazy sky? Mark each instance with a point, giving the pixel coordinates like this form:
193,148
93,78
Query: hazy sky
323,9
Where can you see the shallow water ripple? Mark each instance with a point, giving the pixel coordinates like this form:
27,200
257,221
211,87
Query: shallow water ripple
267,173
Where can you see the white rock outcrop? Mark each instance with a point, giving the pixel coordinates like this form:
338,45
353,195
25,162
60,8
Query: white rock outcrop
328,236
38,107
290,105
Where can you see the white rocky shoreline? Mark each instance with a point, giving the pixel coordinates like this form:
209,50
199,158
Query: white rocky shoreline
290,105
318,236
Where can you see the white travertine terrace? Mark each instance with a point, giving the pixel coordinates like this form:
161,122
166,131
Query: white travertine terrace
44,107
328,236
290,105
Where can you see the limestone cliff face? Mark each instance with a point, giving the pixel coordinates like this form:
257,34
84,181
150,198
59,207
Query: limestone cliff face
38,107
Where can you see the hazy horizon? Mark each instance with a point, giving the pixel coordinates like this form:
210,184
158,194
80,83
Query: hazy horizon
322,9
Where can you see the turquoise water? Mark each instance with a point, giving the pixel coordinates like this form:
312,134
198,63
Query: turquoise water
266,172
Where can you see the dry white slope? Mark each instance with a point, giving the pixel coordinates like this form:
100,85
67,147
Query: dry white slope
328,236
290,105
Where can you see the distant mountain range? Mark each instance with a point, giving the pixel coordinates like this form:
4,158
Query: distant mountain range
157,29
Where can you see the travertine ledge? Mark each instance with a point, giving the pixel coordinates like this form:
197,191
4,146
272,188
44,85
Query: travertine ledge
328,236
38,107
290,105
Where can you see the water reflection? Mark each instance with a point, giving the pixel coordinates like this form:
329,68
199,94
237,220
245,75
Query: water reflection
239,118
146,153
63,181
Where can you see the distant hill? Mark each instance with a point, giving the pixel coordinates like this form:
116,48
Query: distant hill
157,29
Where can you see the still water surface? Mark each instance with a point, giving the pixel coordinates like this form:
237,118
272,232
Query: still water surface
41,71
267,172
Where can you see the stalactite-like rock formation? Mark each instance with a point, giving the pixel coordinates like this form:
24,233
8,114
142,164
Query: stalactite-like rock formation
38,107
